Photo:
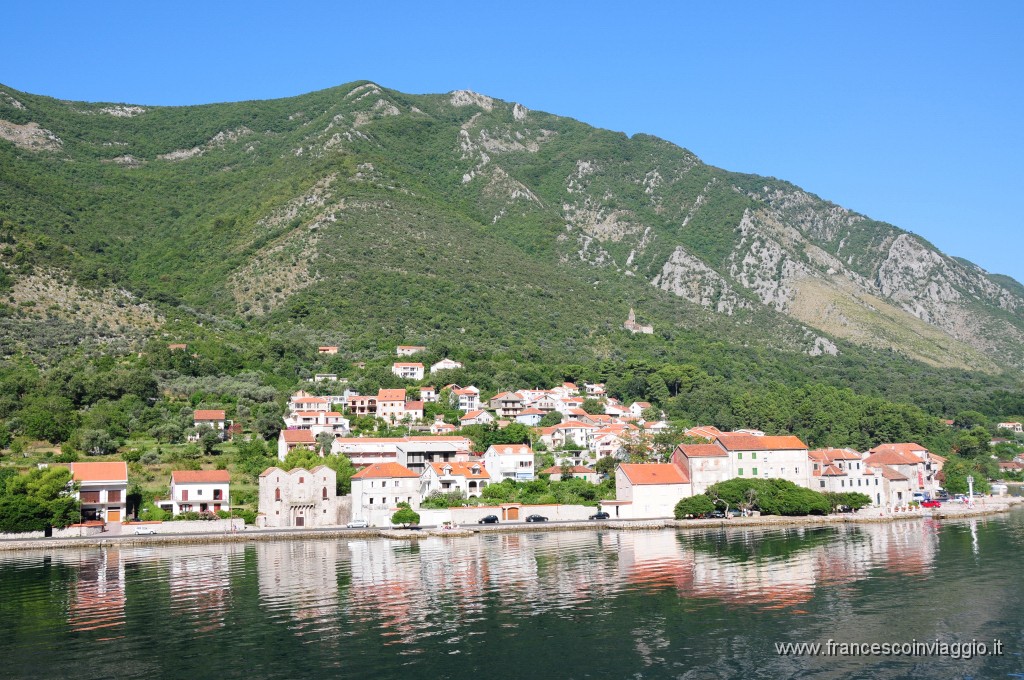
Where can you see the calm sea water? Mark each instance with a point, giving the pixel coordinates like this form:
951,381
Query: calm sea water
601,604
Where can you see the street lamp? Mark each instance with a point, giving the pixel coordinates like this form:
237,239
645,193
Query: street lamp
970,491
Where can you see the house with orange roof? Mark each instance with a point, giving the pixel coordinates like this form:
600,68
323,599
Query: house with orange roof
766,457
300,498
912,460
378,489
288,440
470,478
211,418
575,472
413,411
650,489
391,405
465,398
709,432
441,427
839,471
704,464
637,408
409,350
509,461
303,401
408,370
594,389
198,491
102,489
506,404
570,433
428,394
891,488
476,418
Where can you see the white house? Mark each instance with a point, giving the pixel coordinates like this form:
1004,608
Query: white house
840,470
198,491
441,427
476,418
509,461
211,418
1013,427
379,488
704,464
103,487
299,498
652,489
407,370
469,478
637,408
466,398
751,456
305,402
317,422
428,395
409,350
292,439
445,365
391,405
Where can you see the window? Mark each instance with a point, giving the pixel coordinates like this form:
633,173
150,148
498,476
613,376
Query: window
325,494
739,455
302,480
277,494
396,482
842,482
754,472
753,456
739,472
114,496
796,470
822,483
371,501
199,492
218,494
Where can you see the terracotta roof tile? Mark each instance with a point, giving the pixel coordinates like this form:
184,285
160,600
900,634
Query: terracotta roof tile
384,470
201,476
746,442
208,414
113,471
654,473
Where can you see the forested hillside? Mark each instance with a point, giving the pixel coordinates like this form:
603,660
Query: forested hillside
513,240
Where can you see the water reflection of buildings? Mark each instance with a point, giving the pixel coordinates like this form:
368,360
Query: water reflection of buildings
98,598
301,578
778,568
200,583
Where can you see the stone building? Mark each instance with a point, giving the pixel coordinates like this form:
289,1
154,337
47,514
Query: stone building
301,498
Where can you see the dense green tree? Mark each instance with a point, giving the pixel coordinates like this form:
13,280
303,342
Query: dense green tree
405,515
38,499
694,506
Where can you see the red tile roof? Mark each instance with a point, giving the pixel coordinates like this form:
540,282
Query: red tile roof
701,450
511,449
384,470
298,437
461,470
832,471
890,456
746,442
200,476
391,395
208,415
414,406
114,471
408,364
654,473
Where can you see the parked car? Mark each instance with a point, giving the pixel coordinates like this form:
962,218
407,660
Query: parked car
145,531
716,514
600,515
358,524
489,519
536,518
931,504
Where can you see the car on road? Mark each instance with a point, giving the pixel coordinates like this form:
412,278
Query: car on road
600,515
931,504
489,519
145,531
716,514
536,518
358,524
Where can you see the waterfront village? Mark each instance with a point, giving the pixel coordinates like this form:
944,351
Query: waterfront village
433,469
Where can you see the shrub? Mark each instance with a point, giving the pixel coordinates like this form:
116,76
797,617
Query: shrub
405,516
694,506
248,515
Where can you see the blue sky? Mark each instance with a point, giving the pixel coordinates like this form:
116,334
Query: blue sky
909,112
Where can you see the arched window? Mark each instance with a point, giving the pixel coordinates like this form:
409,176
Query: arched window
325,493
277,494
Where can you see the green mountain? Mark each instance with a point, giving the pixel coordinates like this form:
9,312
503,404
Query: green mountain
364,217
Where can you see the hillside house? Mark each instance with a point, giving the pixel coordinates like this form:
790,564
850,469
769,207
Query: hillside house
445,365
407,370
102,491
289,440
391,405
469,478
652,489
213,419
409,350
509,461
476,418
198,491
575,472
327,349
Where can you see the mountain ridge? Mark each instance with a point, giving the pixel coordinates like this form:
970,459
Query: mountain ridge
253,210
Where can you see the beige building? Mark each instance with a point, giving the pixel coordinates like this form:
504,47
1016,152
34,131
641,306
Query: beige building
652,489
379,488
102,491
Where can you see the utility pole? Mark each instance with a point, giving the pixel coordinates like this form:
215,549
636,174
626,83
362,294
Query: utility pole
970,491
